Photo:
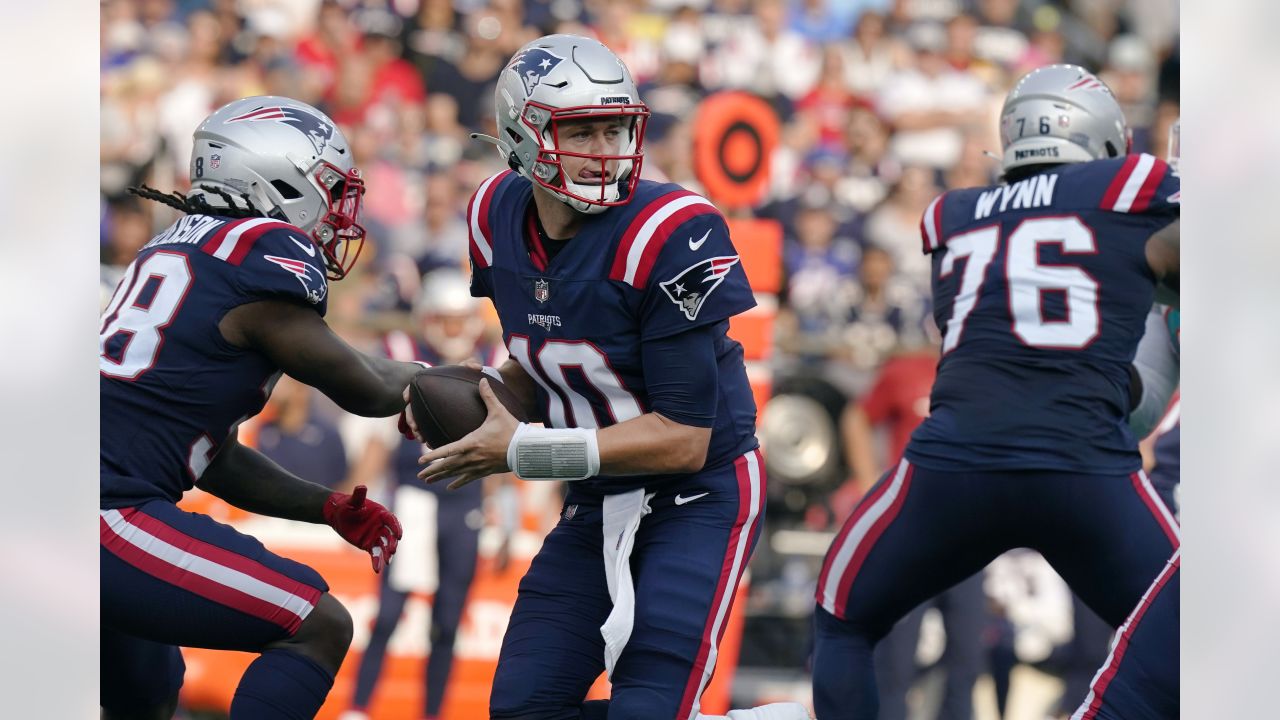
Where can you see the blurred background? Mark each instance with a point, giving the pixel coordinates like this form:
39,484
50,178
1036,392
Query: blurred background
865,110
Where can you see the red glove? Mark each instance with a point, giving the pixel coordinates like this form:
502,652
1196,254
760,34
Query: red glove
365,524
406,427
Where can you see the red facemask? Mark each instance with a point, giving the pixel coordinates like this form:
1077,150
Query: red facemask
339,233
639,116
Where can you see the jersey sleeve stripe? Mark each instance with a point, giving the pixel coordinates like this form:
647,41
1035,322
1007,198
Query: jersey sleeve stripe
642,250
619,269
1117,183
931,225
1148,190
649,257
478,220
1129,193
233,241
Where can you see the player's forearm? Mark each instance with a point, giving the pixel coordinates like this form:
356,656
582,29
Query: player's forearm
250,481
652,444
383,394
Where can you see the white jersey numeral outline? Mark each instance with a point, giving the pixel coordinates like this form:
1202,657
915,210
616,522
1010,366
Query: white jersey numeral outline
1028,280
144,325
553,358
980,247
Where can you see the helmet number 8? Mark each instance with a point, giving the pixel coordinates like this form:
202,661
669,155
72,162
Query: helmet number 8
132,333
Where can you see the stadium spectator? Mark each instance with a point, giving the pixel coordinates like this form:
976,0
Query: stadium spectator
895,224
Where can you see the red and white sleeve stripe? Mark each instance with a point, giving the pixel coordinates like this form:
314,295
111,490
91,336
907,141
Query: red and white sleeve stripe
648,232
931,225
1134,186
478,220
232,241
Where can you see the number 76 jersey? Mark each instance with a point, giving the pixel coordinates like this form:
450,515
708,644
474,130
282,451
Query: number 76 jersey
1041,289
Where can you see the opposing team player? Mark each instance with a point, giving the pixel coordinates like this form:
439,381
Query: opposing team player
1042,285
1140,678
203,322
614,295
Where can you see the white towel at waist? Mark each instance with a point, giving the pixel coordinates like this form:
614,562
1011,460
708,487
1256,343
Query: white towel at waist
621,516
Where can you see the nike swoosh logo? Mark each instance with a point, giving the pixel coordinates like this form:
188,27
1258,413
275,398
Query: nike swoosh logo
309,249
682,500
695,245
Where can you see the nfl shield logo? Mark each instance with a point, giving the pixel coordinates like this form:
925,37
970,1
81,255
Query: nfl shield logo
570,511
541,290
215,161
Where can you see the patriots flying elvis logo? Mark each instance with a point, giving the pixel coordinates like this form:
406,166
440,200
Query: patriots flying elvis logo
318,131
692,286
532,65
313,281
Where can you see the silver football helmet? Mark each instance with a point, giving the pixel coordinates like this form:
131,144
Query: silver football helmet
559,79
290,162
1061,114
448,316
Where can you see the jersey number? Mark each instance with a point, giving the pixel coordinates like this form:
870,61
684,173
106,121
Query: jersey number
556,356
1028,281
133,329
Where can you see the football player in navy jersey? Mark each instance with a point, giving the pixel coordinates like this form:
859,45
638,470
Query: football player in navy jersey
1139,680
614,295
204,321
1042,285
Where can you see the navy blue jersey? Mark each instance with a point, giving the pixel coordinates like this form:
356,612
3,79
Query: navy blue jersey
172,388
1042,289
660,265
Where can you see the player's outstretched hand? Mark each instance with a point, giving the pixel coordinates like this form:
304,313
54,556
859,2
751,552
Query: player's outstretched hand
481,453
365,524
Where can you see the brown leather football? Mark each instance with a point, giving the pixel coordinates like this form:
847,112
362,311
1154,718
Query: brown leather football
446,403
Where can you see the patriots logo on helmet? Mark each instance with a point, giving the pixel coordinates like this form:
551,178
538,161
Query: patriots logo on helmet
532,65
317,131
313,281
691,288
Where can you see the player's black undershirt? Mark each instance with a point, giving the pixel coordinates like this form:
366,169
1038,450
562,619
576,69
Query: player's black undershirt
542,249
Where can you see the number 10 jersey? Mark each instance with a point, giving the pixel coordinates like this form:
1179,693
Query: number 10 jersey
660,265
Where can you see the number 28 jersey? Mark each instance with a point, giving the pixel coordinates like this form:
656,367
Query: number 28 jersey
172,388
1041,290
660,265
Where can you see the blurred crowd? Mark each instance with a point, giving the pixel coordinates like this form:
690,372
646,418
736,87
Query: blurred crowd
883,104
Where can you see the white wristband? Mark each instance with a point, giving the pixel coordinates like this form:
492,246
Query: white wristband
553,453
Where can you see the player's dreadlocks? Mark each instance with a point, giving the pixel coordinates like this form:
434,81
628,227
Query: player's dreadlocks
198,205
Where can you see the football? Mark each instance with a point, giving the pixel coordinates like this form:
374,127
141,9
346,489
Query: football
446,403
